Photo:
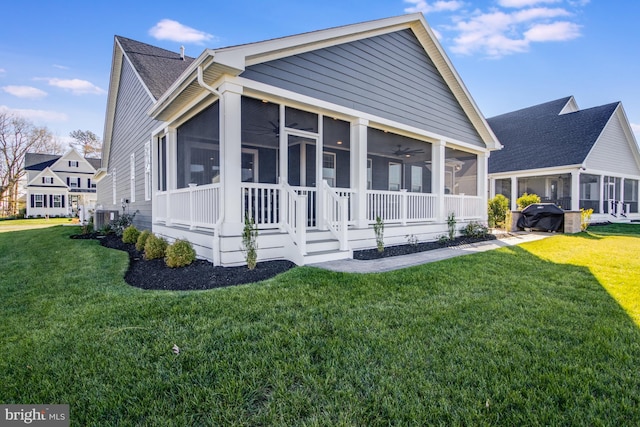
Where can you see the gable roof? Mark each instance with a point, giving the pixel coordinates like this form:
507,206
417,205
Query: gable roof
38,161
158,68
234,60
547,135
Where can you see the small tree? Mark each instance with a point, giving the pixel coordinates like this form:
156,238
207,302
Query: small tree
451,225
378,229
250,242
498,207
526,200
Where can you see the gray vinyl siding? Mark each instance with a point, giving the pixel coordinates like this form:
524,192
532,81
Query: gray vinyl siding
131,130
612,151
390,76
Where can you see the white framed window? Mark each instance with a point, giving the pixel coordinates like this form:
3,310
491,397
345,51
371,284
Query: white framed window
73,181
38,200
369,174
73,163
47,180
113,186
57,201
395,176
132,177
416,179
329,168
147,171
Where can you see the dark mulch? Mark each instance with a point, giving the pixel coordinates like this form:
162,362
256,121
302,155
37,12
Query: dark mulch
154,274
389,251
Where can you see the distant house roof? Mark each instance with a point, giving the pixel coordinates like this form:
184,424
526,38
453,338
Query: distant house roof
157,67
94,162
39,162
543,136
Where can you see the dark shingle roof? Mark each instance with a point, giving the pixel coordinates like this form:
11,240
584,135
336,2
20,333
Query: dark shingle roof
96,163
157,67
541,137
39,162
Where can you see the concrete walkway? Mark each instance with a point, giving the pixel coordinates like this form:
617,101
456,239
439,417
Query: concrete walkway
404,261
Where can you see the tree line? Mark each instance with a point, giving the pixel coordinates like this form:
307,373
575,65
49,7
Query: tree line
19,136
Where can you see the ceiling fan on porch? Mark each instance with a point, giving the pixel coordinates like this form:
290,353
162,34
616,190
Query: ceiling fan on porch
406,151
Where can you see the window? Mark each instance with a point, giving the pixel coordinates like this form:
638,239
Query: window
73,163
416,179
147,171
369,174
113,186
73,182
57,201
47,180
132,176
461,172
395,176
38,201
329,168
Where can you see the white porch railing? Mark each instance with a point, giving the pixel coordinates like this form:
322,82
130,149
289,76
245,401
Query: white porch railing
295,216
261,202
336,215
464,207
195,206
400,206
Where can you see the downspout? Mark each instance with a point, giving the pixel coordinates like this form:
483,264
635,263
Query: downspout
216,226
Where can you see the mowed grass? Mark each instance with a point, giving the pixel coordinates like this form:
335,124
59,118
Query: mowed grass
527,335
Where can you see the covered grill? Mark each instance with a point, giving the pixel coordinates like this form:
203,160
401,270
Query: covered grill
542,216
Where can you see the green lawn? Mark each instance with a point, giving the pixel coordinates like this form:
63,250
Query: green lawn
541,334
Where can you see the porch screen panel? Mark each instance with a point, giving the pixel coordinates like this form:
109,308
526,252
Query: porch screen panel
199,148
631,194
461,172
503,186
385,150
261,133
590,192
336,139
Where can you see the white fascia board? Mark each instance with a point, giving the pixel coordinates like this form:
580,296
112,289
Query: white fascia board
112,95
100,173
536,172
296,100
46,172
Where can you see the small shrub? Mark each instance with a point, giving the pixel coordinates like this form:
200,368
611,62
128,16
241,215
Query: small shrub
378,229
498,208
130,235
119,225
475,230
142,239
451,224
585,218
412,239
87,228
250,242
155,247
179,254
526,200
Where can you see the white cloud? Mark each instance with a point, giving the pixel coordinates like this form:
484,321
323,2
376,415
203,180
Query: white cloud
36,115
168,29
60,67
498,33
524,3
558,31
436,6
76,86
24,91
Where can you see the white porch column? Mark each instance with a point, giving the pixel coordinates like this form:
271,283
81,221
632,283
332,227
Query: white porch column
601,201
437,178
320,201
231,158
492,188
514,193
483,169
359,170
171,166
575,190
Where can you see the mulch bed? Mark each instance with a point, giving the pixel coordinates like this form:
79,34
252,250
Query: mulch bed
202,274
396,250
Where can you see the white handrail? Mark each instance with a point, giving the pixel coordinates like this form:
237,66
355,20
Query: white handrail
336,214
295,216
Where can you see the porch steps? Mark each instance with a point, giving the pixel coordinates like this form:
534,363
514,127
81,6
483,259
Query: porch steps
321,246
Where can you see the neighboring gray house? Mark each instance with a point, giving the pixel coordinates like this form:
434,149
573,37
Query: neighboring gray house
574,158
312,136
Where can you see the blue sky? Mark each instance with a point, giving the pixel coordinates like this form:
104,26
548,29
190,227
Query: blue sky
55,57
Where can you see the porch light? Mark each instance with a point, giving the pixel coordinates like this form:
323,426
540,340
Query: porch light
339,142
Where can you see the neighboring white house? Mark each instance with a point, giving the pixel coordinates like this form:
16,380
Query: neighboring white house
312,136
571,157
60,185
